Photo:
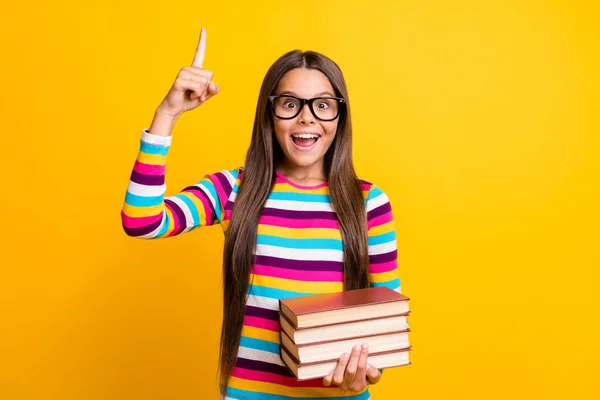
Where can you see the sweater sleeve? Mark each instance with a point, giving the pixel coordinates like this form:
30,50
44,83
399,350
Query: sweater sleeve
383,250
383,253
148,214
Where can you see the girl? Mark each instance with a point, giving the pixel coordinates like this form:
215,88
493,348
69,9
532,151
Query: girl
297,219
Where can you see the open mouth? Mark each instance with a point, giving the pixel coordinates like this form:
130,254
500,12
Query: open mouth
305,140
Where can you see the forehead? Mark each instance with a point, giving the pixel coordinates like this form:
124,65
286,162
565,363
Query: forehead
305,82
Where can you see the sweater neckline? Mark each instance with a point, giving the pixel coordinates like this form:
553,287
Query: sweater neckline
308,187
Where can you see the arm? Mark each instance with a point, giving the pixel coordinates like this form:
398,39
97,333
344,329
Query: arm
148,214
383,251
383,271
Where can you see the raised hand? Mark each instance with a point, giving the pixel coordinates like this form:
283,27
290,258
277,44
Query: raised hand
352,372
193,85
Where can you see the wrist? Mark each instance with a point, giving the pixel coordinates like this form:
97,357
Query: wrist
163,123
162,112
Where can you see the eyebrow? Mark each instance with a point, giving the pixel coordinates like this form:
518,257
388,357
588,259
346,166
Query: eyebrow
295,94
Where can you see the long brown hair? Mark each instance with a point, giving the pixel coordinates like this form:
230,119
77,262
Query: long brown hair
256,183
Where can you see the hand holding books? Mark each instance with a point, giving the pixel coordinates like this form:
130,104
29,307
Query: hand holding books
315,330
352,372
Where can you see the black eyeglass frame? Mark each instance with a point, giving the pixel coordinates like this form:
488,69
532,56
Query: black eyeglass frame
340,100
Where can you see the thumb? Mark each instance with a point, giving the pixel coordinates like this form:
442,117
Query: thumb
373,374
328,378
212,90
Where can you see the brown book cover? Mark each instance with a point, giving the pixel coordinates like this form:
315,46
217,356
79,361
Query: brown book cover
339,300
339,340
298,363
282,315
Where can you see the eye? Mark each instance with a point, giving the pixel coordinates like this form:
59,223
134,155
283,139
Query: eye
323,104
289,104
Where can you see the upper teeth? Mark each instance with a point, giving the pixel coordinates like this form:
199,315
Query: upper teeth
306,136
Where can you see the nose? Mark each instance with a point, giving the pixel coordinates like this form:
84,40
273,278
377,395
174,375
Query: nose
306,116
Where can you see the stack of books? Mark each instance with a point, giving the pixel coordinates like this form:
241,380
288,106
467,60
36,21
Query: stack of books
317,330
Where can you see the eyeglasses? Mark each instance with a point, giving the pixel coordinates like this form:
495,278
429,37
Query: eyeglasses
288,106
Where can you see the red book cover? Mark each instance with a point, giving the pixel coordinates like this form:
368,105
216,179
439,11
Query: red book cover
346,299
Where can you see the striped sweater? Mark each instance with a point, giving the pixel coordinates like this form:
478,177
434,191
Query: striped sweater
298,252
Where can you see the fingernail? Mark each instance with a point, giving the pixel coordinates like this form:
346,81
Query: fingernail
345,356
357,347
365,345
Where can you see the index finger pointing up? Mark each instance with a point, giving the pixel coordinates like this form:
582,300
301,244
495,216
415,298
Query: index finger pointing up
200,50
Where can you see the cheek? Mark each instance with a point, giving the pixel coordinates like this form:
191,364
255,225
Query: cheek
331,130
281,130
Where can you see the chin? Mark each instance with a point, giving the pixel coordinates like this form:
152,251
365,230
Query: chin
302,163
302,160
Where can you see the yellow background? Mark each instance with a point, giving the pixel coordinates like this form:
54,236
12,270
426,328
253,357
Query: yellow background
480,119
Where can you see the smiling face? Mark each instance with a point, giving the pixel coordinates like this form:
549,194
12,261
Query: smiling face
305,139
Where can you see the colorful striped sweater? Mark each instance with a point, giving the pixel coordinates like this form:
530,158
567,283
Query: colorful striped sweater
298,252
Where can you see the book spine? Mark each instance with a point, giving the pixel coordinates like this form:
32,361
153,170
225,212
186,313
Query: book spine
404,314
350,338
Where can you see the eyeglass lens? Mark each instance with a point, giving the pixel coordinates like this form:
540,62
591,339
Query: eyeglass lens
289,107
